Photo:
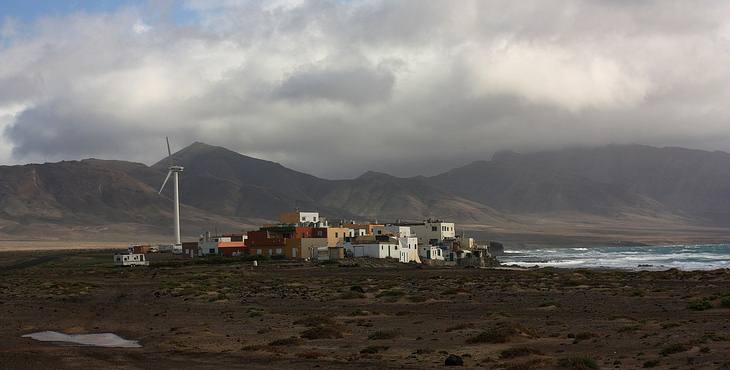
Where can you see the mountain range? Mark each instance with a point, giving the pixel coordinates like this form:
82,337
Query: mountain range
593,192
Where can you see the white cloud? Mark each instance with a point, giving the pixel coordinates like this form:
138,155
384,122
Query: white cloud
140,27
340,87
568,78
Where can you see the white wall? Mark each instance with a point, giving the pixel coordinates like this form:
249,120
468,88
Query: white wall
206,247
375,250
397,231
308,216
426,232
430,252
356,232
408,249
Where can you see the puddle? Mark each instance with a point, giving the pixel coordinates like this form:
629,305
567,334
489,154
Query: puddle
99,340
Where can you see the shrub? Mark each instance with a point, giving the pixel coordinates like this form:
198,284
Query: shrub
310,355
495,335
725,302
357,288
313,321
699,305
390,293
651,363
459,327
352,295
321,332
518,352
374,349
674,348
384,334
359,313
285,342
584,336
578,363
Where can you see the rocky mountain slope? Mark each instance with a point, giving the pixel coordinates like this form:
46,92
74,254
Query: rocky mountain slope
225,189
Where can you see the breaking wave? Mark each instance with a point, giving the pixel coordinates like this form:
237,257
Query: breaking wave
684,257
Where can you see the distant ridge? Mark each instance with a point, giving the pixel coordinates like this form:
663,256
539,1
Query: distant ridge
223,187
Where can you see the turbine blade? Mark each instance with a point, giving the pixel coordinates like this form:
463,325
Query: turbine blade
164,182
169,152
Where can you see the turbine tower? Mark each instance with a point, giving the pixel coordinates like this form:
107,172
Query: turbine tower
175,172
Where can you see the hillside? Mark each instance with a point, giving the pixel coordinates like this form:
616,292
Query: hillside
228,183
610,180
89,196
609,193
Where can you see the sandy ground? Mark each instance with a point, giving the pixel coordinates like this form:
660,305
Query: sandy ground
370,315
46,245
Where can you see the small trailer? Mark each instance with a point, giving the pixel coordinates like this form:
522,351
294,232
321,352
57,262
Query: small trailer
131,259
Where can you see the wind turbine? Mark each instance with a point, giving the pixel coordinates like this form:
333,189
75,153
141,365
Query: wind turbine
174,171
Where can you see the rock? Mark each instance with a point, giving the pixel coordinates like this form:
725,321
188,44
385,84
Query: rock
454,360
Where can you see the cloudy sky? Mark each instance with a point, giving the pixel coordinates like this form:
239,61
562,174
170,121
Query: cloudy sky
335,88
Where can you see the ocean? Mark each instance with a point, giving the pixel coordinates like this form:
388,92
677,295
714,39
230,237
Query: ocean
683,257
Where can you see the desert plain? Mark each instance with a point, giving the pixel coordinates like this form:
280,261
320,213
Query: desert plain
363,313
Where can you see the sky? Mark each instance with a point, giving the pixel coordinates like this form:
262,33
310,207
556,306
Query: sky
336,88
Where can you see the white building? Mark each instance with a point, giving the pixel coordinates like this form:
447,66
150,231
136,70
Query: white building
394,230
356,232
408,249
307,217
430,252
303,218
373,248
209,245
433,232
405,249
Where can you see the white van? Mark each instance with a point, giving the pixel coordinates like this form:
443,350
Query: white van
130,259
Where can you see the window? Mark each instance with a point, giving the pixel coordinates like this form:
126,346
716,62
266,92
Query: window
314,219
337,235
303,218
211,250
380,232
258,251
278,250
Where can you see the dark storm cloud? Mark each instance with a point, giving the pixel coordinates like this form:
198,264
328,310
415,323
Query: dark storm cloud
336,88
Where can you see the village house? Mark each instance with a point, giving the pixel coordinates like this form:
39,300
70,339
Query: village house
229,245
334,235
291,241
303,219
432,232
355,229
431,252
386,242
383,246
